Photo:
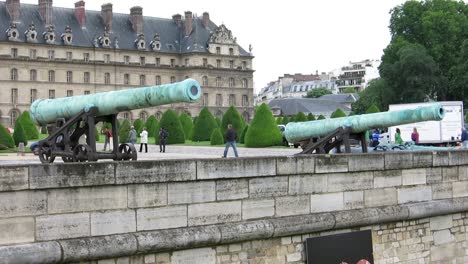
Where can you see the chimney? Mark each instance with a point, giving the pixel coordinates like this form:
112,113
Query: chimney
136,17
106,14
45,10
188,23
206,19
80,14
13,8
177,20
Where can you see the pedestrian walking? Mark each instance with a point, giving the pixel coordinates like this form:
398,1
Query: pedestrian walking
231,137
398,139
133,135
375,138
108,135
464,138
144,140
415,136
163,135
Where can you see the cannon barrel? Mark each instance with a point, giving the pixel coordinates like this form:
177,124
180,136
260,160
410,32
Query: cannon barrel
296,132
45,111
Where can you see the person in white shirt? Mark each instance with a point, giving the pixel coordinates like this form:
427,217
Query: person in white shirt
144,140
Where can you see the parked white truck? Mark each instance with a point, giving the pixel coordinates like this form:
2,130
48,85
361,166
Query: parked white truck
448,130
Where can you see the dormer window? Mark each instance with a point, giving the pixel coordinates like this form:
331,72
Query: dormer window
49,35
140,42
105,40
12,33
31,33
155,44
67,37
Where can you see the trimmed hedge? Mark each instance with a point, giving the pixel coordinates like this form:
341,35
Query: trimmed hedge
263,131
320,117
171,123
138,125
217,137
279,120
242,135
285,120
5,138
124,131
232,117
372,109
187,125
151,124
218,121
338,113
204,126
28,125
19,135
301,117
310,117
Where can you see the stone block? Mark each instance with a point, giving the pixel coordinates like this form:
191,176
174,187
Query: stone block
86,199
294,257
46,252
422,159
77,249
368,216
353,200
441,222
380,197
339,182
442,191
400,160
232,189
52,227
155,171
191,192
147,195
449,174
387,178
214,213
434,175
458,157
440,158
252,209
71,175
331,163
443,253
161,218
460,189
294,165
442,237
245,231
302,224
366,162
307,184
13,178
414,194
292,205
22,203
463,173
113,222
268,187
236,168
413,176
194,256
16,230
326,202
106,261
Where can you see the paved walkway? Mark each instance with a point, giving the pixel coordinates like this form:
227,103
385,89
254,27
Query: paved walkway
172,152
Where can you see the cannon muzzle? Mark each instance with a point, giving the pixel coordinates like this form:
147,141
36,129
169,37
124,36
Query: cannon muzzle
45,111
296,132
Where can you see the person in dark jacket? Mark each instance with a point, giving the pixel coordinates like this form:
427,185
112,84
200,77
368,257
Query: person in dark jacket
163,134
231,137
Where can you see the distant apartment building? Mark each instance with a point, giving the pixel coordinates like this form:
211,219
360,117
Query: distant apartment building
357,75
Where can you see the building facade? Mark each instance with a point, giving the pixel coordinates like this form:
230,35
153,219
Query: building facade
357,75
51,52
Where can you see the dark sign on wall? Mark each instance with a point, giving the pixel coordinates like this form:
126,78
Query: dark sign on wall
349,248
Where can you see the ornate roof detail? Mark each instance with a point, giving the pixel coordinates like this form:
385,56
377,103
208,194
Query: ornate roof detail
104,40
140,42
12,33
31,33
67,36
49,35
155,44
222,35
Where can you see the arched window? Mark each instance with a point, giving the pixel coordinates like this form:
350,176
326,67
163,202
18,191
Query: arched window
205,81
14,114
51,76
173,80
143,116
127,115
14,74
245,83
219,114
246,116
32,75
231,51
231,82
158,80
158,115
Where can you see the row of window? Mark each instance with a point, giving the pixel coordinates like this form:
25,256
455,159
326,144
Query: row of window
107,78
218,102
126,59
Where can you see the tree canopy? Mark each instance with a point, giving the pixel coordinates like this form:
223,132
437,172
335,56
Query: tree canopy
338,113
317,92
263,131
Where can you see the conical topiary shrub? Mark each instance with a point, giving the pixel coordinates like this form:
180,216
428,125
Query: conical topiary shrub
310,117
171,123
320,117
218,121
28,125
138,125
216,137
19,135
187,125
151,125
263,131
301,117
124,131
285,120
234,118
338,113
204,126
279,120
242,136
6,140
372,109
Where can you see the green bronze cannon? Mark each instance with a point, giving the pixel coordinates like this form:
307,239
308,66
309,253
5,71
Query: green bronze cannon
321,136
72,117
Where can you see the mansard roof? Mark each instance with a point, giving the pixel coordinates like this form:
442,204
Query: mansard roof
291,106
172,38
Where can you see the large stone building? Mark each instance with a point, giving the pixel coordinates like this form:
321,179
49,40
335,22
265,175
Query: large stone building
50,52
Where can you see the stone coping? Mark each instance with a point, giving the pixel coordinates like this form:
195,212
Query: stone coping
119,245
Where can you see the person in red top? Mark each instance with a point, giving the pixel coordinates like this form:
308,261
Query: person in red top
415,136
108,135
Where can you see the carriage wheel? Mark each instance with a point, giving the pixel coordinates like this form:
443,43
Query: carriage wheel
45,154
81,153
128,152
68,159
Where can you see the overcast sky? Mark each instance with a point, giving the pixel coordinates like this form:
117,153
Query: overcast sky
296,36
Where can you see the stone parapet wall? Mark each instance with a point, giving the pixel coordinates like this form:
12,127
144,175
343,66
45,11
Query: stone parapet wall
75,212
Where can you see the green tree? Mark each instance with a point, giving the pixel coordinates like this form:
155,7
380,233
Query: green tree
315,93
338,113
44,129
124,131
285,120
373,109
300,117
204,126
151,125
19,135
28,125
234,118
320,117
279,120
242,135
138,125
6,141
263,131
97,134
349,90
171,123
376,93
310,117
218,121
466,117
187,125
216,137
